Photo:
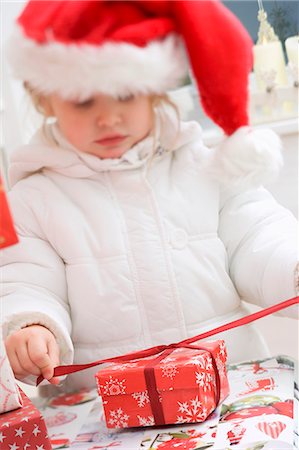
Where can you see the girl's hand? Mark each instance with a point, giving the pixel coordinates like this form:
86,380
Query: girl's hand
33,351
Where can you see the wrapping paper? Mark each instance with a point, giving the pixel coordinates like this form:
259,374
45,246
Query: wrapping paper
10,397
185,380
260,408
252,385
23,428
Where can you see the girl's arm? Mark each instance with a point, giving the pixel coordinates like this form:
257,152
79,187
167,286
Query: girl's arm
261,240
33,281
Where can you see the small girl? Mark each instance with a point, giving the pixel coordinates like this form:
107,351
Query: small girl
133,233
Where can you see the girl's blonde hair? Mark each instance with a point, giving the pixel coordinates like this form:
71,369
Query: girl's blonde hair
160,104
41,118
35,97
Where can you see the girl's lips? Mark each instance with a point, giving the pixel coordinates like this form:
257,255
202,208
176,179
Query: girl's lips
113,140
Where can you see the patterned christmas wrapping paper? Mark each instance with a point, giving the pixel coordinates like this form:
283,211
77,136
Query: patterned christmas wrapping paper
250,384
185,381
65,414
23,428
95,435
258,413
9,392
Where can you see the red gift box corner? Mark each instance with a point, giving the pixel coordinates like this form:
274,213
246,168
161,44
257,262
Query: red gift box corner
23,428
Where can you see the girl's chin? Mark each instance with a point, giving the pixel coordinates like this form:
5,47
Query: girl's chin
109,153
112,154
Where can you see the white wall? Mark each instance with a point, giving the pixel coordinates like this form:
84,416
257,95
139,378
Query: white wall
11,92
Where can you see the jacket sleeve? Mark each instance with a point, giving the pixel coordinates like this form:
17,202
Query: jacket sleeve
33,280
260,237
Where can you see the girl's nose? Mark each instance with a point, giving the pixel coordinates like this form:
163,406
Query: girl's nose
108,119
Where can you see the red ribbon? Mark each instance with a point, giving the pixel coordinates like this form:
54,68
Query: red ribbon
166,349
151,386
152,390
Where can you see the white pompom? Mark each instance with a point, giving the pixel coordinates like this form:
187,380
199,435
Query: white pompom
248,157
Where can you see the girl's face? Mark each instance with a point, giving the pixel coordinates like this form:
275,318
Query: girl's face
103,126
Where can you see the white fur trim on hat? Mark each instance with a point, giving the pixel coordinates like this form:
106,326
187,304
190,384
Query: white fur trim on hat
248,158
79,71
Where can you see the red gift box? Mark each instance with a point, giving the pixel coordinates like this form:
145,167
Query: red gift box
23,428
7,232
181,385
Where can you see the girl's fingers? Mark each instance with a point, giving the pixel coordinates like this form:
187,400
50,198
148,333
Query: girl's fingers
53,352
38,354
33,350
54,380
11,346
27,364
18,370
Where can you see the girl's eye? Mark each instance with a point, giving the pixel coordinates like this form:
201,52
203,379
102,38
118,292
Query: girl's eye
84,104
125,98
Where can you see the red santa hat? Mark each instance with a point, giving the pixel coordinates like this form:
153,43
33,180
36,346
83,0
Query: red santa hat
79,48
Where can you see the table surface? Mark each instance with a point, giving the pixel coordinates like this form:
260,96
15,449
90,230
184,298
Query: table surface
255,416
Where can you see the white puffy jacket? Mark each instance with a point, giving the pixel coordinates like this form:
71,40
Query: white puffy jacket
118,255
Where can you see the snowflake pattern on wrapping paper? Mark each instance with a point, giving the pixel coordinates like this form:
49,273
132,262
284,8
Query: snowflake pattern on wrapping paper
114,386
123,366
221,366
191,411
146,421
141,398
169,371
118,418
196,360
204,374
222,351
168,359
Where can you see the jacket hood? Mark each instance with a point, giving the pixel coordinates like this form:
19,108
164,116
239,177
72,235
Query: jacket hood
49,150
